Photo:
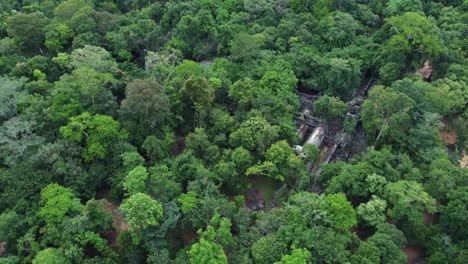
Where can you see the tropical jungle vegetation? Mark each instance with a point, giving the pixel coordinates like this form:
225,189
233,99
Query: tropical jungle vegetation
170,131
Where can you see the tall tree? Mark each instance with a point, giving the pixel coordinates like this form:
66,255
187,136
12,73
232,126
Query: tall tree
26,30
298,256
57,201
408,198
135,182
210,247
254,134
96,132
412,38
142,211
50,256
340,211
145,109
386,114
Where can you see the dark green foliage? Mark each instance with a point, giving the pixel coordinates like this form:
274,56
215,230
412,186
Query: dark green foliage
329,108
26,30
168,131
268,250
145,109
255,134
453,215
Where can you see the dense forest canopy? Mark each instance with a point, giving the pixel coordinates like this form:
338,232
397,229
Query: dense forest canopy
233,131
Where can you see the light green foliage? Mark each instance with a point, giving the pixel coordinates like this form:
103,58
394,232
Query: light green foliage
349,178
93,57
142,211
329,108
307,224
188,201
210,247
268,250
56,202
207,252
273,96
50,256
239,200
320,8
386,114
412,36
130,160
182,114
339,29
65,10
57,36
375,183
62,59
241,158
427,97
254,134
83,89
367,253
135,182
218,230
298,256
373,212
340,211
97,133
188,68
9,260
242,92
279,78
363,177
306,209
39,75
399,7
390,72
442,176
199,91
215,83
162,63
244,47
280,163
220,124
77,14
455,92
408,198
